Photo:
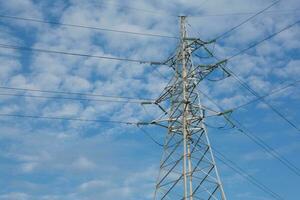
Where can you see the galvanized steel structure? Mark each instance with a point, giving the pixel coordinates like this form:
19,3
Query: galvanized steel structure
187,170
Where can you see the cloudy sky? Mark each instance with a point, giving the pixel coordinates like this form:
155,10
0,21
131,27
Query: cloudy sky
60,160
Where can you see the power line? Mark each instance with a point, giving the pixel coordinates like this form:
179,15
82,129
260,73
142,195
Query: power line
232,165
253,92
267,95
263,40
67,119
150,136
163,13
121,31
74,93
71,98
247,20
242,13
22,48
86,27
258,141
268,148
247,87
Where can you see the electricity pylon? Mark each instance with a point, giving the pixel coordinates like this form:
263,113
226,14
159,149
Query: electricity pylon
187,170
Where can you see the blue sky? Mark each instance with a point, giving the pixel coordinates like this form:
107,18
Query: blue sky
62,160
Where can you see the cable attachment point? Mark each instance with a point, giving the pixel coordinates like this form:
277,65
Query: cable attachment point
155,103
157,63
226,114
147,102
145,123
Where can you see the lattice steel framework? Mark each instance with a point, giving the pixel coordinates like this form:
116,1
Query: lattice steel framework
187,170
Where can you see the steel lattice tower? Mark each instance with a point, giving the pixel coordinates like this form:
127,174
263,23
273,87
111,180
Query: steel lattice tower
187,170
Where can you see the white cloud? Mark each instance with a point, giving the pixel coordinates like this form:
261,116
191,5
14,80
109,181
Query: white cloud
75,83
62,110
83,163
22,7
291,70
8,67
94,184
15,196
29,167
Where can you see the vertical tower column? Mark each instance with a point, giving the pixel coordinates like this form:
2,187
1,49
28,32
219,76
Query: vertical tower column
185,103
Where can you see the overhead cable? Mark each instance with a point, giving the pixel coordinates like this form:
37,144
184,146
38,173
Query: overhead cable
257,140
23,48
242,13
163,13
254,93
66,119
267,95
72,93
86,27
250,178
247,20
73,98
247,87
150,136
263,40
